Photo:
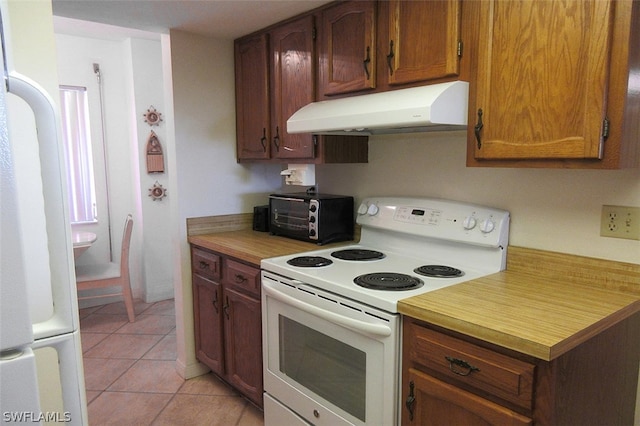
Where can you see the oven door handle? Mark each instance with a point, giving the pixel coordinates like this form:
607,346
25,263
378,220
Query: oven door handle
351,323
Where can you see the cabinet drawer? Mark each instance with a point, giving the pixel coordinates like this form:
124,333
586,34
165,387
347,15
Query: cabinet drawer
205,263
242,277
473,366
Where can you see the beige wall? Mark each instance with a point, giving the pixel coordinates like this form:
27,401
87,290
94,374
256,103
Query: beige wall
208,181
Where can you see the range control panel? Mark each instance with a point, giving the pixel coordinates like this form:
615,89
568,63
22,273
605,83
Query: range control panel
418,215
437,218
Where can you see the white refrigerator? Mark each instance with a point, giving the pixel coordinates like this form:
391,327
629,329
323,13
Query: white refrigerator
41,372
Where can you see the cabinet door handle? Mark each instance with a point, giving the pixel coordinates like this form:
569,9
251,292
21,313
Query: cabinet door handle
455,365
263,139
478,127
276,139
366,63
411,400
240,279
225,308
390,57
215,301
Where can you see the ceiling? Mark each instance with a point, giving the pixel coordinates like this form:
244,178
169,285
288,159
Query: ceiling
226,19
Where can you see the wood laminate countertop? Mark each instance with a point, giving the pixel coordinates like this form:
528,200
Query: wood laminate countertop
544,303
252,246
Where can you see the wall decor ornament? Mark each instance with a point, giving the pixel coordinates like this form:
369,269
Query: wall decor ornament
155,156
157,192
152,116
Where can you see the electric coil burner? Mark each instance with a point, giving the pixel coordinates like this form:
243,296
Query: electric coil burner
388,281
439,271
358,254
309,261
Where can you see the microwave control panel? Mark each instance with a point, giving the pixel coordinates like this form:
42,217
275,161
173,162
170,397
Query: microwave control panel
314,209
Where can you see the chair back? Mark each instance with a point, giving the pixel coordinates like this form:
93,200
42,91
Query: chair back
126,242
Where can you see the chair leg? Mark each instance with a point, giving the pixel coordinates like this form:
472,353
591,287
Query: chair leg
128,301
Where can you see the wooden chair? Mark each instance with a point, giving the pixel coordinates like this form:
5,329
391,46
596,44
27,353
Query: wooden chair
110,274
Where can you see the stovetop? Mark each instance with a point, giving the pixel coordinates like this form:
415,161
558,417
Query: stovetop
410,233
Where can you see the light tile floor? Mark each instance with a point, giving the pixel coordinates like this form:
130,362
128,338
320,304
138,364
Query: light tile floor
131,379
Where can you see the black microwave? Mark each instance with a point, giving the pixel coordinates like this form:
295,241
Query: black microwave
318,218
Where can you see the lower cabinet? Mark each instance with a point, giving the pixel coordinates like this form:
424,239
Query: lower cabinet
243,343
449,381
453,379
227,316
443,404
207,297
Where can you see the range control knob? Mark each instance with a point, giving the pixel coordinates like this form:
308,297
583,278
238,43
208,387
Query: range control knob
372,210
469,222
362,209
487,226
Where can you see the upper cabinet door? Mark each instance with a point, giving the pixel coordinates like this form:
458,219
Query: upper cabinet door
424,40
348,48
293,55
253,120
543,68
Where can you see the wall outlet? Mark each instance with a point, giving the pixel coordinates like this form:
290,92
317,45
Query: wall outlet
620,222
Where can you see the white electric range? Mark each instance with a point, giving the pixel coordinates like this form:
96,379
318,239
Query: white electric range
325,308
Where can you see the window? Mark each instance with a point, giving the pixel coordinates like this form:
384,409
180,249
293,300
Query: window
76,135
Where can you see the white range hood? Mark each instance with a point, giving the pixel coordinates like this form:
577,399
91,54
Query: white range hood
418,109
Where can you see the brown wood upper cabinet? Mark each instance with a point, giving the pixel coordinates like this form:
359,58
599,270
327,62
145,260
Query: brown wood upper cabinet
347,61
385,45
253,112
423,40
293,53
276,76
552,84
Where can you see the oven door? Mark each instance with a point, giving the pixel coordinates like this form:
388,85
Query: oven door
328,359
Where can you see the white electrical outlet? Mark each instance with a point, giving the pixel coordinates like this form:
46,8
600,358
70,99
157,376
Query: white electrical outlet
620,222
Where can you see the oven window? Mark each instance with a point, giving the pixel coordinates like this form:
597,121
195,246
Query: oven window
330,368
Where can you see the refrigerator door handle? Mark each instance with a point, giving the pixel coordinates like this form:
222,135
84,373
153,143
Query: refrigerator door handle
58,232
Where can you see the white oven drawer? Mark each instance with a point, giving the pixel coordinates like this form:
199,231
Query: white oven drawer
277,414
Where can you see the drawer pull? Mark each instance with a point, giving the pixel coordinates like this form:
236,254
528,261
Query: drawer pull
240,279
460,367
411,400
204,265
